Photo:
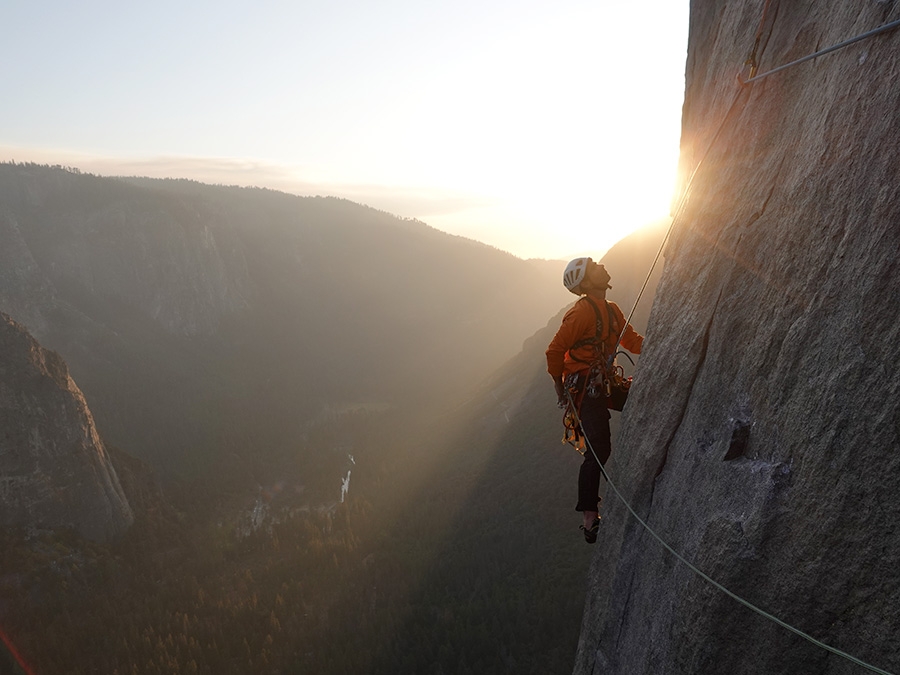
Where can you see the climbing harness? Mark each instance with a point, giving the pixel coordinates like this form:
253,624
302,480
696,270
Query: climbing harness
602,379
709,579
752,64
612,384
601,332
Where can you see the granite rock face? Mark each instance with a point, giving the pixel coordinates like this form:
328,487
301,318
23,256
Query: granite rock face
54,470
762,436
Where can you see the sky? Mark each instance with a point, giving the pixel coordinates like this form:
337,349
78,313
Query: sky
546,129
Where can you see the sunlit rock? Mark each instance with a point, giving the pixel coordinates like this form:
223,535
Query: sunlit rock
761,439
54,470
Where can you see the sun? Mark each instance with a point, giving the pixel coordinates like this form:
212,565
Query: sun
594,208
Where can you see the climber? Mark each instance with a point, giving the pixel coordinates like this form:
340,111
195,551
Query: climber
582,350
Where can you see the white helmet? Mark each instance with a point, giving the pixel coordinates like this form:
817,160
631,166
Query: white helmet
574,274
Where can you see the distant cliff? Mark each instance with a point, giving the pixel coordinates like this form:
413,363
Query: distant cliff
54,470
762,437
207,321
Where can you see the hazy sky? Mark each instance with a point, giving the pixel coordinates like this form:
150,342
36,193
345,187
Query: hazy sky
543,128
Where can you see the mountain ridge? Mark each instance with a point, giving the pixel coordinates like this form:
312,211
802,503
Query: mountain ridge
211,308
451,522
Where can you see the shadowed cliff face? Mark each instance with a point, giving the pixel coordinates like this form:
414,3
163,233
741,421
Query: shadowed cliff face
762,439
54,471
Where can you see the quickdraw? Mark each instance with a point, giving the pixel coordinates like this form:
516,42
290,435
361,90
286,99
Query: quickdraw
571,423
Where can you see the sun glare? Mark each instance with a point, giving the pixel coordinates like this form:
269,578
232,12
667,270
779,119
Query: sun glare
534,138
587,209
566,157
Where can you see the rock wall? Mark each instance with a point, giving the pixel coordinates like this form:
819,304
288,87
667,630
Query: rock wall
762,437
54,471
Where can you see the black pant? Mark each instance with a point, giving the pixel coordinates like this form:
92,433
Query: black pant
595,426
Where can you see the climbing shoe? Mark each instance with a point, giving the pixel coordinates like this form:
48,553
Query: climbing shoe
590,533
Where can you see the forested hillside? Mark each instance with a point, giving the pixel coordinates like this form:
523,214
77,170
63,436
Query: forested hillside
209,325
456,549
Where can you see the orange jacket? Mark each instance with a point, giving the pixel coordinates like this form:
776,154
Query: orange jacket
580,323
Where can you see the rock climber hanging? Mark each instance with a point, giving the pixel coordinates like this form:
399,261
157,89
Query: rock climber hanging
581,361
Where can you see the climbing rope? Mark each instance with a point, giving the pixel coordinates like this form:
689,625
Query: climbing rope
875,31
752,63
706,577
678,211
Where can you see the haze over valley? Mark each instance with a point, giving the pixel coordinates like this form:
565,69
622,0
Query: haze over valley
276,286
279,381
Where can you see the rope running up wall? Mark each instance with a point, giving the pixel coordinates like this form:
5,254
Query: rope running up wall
678,211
